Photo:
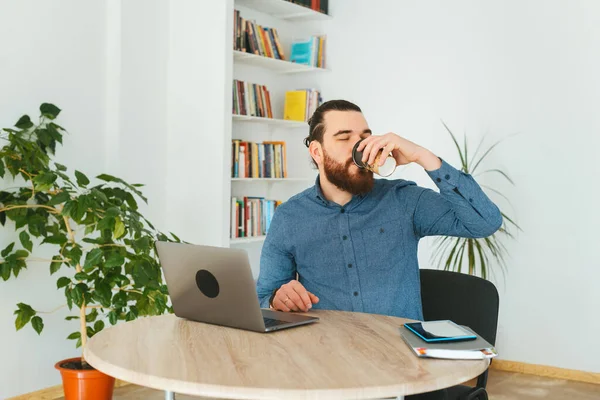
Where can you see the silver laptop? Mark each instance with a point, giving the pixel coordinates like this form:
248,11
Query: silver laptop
215,285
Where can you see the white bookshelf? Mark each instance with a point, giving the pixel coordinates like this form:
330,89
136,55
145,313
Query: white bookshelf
244,240
272,122
273,64
284,10
278,76
272,179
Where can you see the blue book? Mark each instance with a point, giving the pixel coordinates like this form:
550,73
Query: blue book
302,51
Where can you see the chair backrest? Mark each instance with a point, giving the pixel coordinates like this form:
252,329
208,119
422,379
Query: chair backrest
465,299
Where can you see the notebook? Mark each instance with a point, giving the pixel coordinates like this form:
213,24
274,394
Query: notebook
477,349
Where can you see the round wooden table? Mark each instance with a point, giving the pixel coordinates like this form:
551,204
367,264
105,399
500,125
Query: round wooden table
343,356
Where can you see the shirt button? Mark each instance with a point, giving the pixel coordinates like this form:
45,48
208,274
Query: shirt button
342,211
349,265
471,200
439,179
344,237
356,293
447,177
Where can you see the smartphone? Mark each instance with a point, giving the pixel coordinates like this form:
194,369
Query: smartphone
440,331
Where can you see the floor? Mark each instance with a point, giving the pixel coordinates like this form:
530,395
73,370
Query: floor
501,386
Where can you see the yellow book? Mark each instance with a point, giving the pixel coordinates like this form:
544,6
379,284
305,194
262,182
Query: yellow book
295,105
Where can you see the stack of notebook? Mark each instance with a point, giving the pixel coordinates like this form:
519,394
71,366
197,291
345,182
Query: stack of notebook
463,350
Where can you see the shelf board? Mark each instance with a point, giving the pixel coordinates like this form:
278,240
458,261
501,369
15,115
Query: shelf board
280,123
273,64
272,179
253,239
284,10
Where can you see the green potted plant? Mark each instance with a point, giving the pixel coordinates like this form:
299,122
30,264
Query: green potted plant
454,253
104,258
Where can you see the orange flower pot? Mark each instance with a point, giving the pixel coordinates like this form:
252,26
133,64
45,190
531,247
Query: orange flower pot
88,384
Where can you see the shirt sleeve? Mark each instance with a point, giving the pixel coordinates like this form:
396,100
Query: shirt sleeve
461,208
277,265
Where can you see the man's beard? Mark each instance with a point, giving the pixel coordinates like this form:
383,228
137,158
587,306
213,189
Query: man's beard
338,174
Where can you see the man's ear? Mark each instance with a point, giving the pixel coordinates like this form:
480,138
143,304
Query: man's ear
316,151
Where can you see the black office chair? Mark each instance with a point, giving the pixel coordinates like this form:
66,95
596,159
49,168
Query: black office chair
466,300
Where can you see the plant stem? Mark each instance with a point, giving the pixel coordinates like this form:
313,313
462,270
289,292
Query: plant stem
82,321
50,312
31,179
52,209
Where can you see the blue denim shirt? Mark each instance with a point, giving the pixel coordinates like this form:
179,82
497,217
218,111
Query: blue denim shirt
363,256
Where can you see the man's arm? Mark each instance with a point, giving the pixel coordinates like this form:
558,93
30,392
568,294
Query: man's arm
277,266
461,208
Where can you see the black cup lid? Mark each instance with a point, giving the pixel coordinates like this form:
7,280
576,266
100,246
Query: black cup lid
357,156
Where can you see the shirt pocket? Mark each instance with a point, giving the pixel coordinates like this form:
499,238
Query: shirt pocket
383,245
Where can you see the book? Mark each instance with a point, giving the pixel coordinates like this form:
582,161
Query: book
309,51
299,105
477,349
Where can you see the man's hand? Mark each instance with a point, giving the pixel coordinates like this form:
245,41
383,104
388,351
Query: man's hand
403,150
294,297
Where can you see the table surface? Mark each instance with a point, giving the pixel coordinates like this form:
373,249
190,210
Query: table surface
343,356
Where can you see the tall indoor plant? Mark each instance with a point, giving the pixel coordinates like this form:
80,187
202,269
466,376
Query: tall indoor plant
104,254
475,255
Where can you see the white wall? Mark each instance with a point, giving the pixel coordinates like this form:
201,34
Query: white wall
499,67
140,101
49,52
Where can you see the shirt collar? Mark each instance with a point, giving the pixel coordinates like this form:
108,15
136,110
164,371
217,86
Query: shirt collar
321,197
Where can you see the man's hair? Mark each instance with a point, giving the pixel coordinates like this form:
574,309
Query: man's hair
316,121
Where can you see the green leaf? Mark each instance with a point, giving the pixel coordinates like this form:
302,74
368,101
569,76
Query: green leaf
72,317
7,250
119,228
99,195
74,335
91,317
82,180
488,151
74,255
93,258
21,254
81,276
462,158
49,110
119,300
26,240
60,167
59,198
504,174
24,315
44,181
112,317
110,178
69,296
55,264
78,344
89,229
2,170
77,296
24,122
56,239
114,260
103,294
5,269
62,282
37,324
53,129
98,326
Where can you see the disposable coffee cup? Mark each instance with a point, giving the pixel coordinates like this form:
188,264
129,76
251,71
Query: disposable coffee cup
388,167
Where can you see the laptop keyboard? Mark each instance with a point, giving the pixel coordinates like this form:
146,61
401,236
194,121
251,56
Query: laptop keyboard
270,322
